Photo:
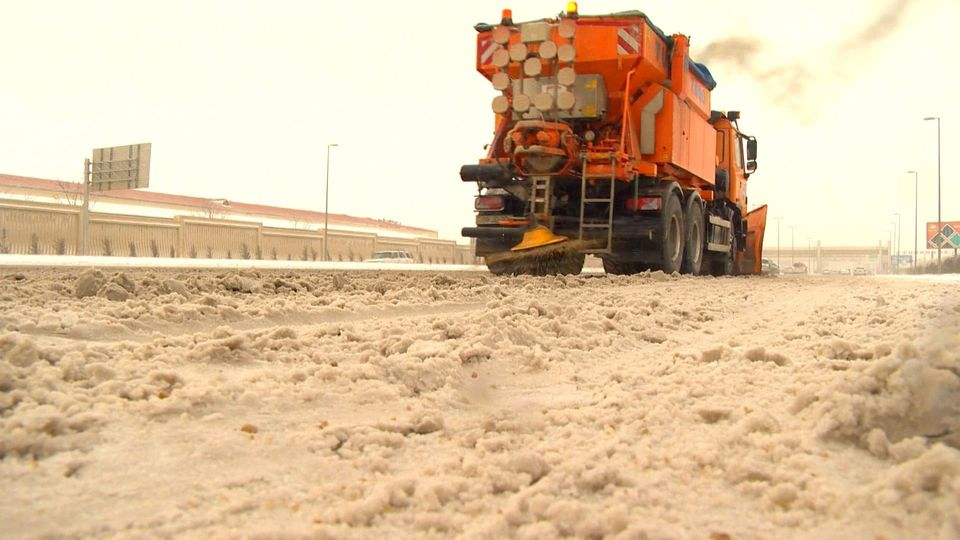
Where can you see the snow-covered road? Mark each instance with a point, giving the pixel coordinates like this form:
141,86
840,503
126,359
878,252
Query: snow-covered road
308,402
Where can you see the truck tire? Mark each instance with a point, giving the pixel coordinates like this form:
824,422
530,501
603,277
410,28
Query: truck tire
721,264
693,243
728,262
671,243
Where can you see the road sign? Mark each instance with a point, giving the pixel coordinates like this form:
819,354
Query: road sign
945,235
120,167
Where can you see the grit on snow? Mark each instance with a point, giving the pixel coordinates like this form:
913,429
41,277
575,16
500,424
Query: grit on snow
399,404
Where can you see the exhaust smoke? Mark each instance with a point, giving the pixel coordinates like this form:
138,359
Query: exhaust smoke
796,86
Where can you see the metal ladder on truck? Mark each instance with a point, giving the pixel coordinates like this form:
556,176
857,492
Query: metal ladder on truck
584,201
540,198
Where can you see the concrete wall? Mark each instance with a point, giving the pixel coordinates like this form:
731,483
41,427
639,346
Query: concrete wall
38,229
52,229
125,237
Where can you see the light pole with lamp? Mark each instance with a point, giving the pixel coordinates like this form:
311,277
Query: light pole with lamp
326,207
891,235
778,218
916,207
939,225
793,249
898,242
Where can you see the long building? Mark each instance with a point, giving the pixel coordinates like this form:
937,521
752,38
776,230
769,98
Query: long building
43,216
152,204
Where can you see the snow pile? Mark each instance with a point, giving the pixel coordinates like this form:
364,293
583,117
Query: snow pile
912,392
337,404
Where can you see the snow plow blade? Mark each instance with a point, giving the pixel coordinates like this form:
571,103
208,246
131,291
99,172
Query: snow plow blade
753,250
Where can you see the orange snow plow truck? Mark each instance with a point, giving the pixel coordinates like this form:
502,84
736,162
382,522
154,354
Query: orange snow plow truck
605,144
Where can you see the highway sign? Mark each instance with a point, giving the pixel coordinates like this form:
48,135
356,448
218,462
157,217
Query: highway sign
945,235
120,167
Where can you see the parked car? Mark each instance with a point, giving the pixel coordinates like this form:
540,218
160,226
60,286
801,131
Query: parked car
767,266
391,257
859,271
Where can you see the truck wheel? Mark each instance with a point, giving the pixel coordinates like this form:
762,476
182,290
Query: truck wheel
693,244
728,266
721,264
672,241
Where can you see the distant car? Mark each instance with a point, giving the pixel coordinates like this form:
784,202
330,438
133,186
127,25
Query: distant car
769,267
827,271
391,257
859,271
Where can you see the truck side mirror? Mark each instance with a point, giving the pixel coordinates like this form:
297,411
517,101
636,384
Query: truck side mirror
751,149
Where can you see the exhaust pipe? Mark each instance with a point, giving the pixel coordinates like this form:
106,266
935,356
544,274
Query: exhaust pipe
492,174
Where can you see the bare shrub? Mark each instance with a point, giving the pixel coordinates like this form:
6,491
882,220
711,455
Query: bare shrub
133,249
154,249
107,247
61,246
193,252
244,251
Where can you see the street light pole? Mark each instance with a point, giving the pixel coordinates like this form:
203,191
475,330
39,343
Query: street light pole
897,243
891,236
939,224
326,208
916,207
792,248
778,218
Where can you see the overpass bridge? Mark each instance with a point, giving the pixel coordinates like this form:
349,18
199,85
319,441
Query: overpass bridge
817,258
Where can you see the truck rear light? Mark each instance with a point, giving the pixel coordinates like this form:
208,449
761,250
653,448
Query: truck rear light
489,203
644,203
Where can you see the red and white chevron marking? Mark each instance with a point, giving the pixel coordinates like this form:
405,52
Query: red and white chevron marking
628,40
485,49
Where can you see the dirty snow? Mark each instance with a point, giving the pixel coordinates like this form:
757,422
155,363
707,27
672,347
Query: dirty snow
355,404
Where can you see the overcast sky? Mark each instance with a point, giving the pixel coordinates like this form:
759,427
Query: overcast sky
241,98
